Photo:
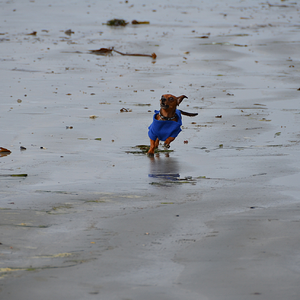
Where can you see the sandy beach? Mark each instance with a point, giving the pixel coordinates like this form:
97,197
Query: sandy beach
84,214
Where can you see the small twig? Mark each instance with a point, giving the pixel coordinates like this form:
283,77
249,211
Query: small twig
107,51
153,55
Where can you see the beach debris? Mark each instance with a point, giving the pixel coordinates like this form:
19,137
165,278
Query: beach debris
125,110
298,89
32,33
69,32
220,116
69,127
171,180
19,100
277,134
22,148
43,148
135,22
98,139
108,51
143,149
4,150
186,142
116,22
153,55
203,36
103,51
93,117
14,175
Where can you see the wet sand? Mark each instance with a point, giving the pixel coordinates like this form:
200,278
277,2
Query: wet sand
217,218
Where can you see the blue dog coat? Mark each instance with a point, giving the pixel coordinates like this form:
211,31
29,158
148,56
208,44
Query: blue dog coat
163,129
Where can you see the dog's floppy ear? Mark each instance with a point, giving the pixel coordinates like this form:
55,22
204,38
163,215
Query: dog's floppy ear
180,98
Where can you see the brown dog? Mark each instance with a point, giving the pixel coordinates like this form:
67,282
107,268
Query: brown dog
166,122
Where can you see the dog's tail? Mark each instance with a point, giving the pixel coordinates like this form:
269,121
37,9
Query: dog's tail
188,114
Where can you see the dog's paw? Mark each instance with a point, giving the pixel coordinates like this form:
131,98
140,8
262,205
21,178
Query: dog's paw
167,146
150,154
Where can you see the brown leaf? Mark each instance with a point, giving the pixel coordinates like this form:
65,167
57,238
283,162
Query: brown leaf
4,150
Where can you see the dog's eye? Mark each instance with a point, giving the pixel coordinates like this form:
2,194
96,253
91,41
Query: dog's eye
171,98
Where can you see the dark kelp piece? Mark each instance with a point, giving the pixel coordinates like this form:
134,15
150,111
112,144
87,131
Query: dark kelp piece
116,22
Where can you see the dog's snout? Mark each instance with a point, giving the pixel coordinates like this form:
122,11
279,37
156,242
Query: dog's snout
163,99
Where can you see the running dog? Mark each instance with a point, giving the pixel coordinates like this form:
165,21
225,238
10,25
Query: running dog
166,122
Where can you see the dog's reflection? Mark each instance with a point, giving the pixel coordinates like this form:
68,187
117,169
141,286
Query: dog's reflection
166,168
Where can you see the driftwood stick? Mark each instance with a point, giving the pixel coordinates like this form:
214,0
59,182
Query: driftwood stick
153,55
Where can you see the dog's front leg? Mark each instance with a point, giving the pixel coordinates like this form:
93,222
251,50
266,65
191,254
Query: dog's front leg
168,141
153,146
